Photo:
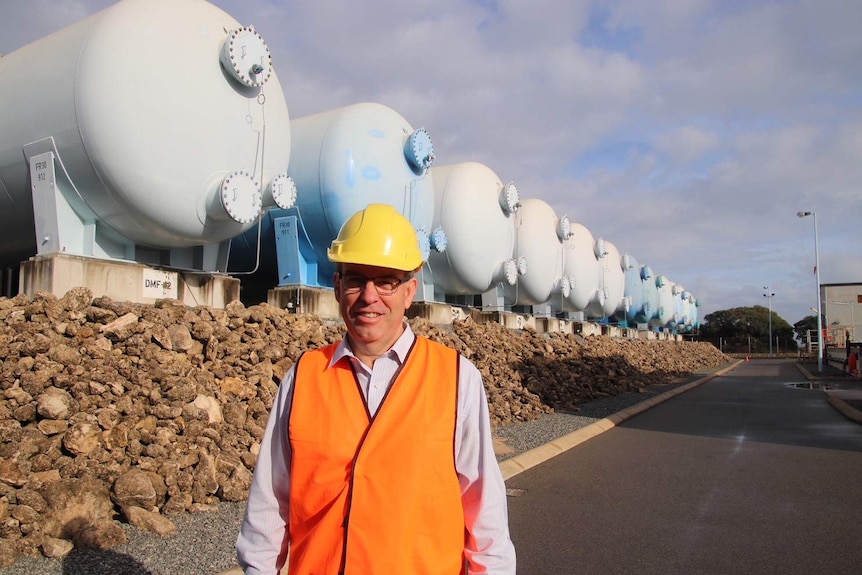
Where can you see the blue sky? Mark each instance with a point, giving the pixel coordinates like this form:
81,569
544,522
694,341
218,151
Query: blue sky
686,132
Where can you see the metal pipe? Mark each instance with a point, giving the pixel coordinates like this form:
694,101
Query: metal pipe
769,296
819,304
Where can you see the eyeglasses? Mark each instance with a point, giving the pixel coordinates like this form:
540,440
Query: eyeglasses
385,285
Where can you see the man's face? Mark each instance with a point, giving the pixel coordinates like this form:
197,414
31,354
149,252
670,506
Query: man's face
373,319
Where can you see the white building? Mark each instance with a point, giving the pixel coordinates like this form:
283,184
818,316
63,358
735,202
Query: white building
842,312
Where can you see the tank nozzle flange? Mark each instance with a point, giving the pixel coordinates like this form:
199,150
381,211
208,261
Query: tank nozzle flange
419,151
282,188
246,57
240,196
510,200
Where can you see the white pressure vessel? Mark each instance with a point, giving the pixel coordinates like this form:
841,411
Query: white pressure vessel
540,237
695,313
341,160
633,293
688,311
165,118
679,314
581,268
612,281
666,304
346,158
650,291
477,212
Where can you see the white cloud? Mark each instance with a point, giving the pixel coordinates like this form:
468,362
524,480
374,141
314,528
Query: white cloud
686,144
687,132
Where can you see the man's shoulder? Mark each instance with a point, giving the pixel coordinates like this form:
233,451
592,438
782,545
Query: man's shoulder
448,350
435,344
325,352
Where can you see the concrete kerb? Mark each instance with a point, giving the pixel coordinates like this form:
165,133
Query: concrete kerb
844,408
836,397
519,463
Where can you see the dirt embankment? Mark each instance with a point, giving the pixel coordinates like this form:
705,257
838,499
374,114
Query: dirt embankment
114,411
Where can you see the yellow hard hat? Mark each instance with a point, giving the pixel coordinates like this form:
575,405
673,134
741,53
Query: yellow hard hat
377,236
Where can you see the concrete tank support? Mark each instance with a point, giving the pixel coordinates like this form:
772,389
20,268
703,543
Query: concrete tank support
125,281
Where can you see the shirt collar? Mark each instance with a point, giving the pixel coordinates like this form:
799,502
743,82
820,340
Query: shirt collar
400,348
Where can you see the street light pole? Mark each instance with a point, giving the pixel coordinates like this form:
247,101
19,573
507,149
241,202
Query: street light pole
769,296
819,306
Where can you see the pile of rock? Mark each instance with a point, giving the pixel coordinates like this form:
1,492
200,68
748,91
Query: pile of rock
116,411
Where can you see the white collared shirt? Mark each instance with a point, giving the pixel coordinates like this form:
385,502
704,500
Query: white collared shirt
263,535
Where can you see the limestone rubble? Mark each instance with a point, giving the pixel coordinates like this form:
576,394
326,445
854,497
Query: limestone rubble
118,412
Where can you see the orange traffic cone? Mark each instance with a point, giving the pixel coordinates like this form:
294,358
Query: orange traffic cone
747,358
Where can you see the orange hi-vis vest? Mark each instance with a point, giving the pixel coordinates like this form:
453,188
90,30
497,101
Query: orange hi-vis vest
375,495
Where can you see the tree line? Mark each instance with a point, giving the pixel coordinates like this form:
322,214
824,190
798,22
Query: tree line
746,330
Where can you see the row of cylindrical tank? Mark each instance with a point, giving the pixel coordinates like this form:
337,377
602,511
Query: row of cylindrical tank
480,237
157,131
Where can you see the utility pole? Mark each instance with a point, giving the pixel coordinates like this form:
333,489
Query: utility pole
768,295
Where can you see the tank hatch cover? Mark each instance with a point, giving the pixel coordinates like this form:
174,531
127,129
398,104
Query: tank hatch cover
283,190
241,197
510,200
419,151
246,57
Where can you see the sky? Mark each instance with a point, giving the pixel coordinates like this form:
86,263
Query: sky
688,133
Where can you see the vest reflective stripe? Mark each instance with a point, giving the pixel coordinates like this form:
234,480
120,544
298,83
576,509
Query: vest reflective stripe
376,495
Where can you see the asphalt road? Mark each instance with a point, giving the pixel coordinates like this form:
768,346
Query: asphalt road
743,474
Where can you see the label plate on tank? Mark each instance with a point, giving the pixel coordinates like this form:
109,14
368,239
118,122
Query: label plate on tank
159,284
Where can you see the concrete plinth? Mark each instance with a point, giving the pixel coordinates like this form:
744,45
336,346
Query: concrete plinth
438,313
125,281
553,325
612,331
586,328
566,326
304,299
507,319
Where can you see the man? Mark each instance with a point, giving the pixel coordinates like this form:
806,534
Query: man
377,456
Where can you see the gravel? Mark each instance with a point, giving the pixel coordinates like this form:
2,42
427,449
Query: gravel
204,541
202,544
522,437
